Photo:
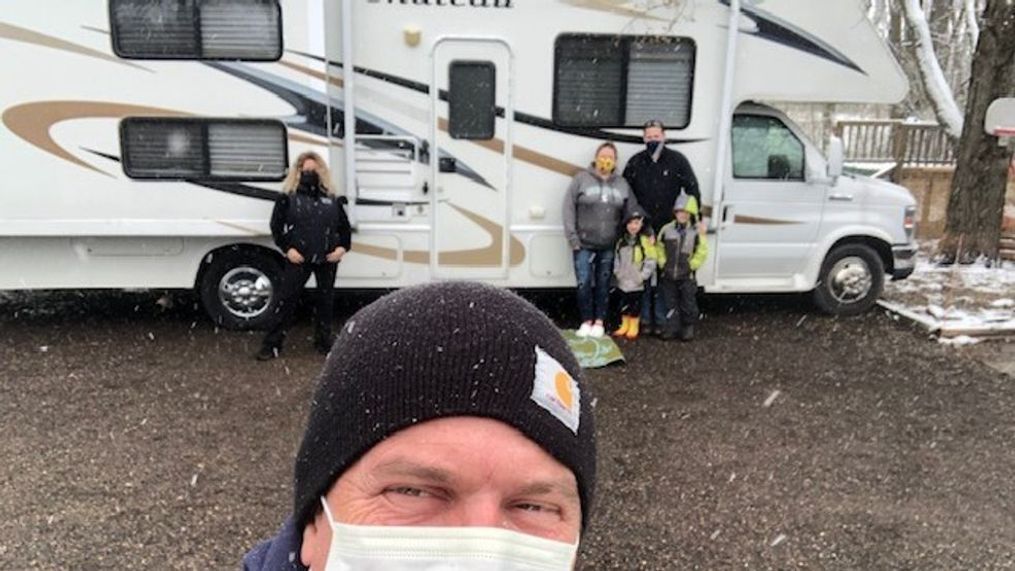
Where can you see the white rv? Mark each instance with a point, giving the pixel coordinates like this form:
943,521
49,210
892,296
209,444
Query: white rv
143,141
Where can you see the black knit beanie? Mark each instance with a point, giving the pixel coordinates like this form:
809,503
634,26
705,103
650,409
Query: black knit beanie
440,350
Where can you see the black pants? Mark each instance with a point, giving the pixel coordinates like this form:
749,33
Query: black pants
294,278
630,303
681,302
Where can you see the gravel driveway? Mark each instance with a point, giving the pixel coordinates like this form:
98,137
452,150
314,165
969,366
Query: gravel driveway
136,436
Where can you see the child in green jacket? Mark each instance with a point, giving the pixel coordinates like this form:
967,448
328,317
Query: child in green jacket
681,250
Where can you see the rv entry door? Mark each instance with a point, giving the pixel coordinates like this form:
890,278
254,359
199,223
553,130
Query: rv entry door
470,158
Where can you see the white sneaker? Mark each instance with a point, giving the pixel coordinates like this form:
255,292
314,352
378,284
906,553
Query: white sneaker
597,330
584,330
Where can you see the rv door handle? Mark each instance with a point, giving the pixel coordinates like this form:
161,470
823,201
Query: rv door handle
841,197
727,215
426,188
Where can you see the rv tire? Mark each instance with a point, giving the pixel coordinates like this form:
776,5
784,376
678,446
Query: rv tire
851,280
239,288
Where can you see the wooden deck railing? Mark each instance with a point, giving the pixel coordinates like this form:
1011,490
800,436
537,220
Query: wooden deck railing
892,141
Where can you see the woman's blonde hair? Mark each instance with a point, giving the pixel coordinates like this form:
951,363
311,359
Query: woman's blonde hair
292,180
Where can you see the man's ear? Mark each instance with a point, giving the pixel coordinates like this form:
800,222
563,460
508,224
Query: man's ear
316,541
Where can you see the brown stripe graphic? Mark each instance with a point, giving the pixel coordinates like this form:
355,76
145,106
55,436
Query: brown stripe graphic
739,219
482,257
33,121
27,36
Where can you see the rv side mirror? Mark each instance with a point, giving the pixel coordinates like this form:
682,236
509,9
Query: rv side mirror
835,158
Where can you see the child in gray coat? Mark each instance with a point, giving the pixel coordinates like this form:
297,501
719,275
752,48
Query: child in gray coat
634,263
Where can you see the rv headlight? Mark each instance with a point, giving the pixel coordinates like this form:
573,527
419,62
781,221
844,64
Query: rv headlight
909,222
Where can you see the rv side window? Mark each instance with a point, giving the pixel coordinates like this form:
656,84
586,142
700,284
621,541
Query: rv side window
764,148
472,104
203,149
191,29
622,81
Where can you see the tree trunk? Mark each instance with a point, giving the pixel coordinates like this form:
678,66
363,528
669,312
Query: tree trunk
976,205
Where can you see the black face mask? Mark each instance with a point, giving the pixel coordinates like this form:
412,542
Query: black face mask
309,179
653,146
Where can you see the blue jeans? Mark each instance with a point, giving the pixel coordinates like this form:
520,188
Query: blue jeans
593,268
653,306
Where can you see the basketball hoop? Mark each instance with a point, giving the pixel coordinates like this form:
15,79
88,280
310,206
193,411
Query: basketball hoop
1000,121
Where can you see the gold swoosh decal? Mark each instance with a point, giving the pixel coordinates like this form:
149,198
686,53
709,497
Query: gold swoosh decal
486,256
33,121
24,35
618,7
739,219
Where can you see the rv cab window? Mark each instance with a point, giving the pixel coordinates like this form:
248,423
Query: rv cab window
248,30
622,81
472,103
765,148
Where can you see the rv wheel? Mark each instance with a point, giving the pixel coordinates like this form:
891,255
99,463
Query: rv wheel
851,280
239,288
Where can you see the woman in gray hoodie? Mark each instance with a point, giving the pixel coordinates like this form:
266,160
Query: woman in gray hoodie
594,208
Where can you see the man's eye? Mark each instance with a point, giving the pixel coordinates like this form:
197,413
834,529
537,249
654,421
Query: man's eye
535,508
407,491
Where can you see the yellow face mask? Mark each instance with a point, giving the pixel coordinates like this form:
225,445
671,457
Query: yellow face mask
605,164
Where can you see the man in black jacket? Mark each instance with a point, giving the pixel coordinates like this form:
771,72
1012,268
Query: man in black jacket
657,176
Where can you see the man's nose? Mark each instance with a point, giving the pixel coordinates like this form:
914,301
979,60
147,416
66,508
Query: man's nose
480,512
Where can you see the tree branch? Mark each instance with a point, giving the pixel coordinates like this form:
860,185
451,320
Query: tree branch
972,22
938,90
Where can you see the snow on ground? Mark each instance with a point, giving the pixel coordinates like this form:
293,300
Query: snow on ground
961,302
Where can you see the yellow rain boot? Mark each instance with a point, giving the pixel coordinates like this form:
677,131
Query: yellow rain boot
624,325
632,327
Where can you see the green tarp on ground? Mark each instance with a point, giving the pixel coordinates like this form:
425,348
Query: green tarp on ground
592,353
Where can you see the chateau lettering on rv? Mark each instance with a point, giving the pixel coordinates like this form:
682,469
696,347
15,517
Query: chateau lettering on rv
452,3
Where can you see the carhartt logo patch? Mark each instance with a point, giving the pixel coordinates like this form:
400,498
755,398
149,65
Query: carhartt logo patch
555,390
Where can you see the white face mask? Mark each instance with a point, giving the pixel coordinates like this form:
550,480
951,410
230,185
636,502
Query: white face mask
401,548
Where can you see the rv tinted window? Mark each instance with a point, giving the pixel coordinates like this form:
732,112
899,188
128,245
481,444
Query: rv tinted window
192,29
764,148
472,104
203,149
589,81
622,81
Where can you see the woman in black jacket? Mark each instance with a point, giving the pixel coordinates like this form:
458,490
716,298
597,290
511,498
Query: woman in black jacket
311,228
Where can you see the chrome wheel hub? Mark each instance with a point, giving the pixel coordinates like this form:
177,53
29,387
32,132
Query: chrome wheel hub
245,292
850,280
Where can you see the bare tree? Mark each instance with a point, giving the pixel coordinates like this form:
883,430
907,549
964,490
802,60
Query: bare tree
976,206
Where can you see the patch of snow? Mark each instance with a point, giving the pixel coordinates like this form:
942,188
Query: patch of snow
771,398
955,300
959,341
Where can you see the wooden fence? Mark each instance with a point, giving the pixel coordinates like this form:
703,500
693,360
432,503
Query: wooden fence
895,142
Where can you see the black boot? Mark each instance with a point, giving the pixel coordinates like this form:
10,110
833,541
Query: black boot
323,344
267,353
687,333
